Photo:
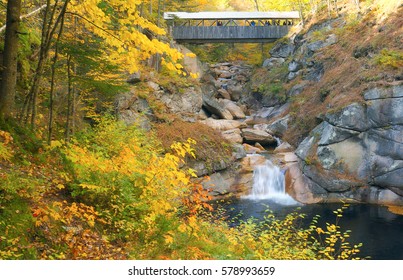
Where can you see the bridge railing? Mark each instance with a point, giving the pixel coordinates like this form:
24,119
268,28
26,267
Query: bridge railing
197,34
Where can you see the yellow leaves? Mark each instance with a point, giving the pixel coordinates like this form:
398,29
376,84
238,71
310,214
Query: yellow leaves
182,228
183,149
5,140
168,237
331,228
56,144
191,55
117,23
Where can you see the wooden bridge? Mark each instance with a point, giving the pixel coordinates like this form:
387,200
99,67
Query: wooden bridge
230,27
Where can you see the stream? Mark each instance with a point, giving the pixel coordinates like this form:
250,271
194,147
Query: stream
375,226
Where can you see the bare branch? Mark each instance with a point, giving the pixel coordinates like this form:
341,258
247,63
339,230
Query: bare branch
26,16
97,26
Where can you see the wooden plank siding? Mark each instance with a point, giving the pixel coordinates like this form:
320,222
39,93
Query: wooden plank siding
229,34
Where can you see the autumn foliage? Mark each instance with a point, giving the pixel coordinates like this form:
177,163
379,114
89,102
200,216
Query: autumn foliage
112,193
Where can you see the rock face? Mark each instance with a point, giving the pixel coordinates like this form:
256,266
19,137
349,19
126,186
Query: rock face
133,110
186,103
357,153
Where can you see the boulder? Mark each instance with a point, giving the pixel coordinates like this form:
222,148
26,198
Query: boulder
297,89
294,66
273,62
130,117
260,147
233,135
249,163
225,74
315,46
282,50
266,114
218,183
222,124
280,126
224,94
186,103
254,135
238,151
234,109
133,110
250,149
292,75
134,78
214,107
284,147
235,91
384,112
153,86
314,73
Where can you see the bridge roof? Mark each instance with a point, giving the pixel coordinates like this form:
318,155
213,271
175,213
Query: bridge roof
231,15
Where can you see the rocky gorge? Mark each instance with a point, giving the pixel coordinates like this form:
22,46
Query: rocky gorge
353,152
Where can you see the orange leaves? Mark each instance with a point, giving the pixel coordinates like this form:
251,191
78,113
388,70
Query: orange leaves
197,200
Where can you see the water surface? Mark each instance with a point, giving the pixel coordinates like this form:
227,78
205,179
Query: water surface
380,231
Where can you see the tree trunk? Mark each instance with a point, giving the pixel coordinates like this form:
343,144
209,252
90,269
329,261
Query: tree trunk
52,83
50,24
69,100
301,11
9,76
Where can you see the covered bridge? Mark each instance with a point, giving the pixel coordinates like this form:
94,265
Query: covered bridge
230,27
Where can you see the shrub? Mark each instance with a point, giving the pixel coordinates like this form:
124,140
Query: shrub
210,146
390,58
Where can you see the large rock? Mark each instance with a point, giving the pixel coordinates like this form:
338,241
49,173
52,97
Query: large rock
233,135
273,62
280,126
297,89
251,149
260,136
359,146
235,91
214,107
133,110
224,93
353,117
238,151
191,63
223,124
186,103
282,50
134,78
314,73
234,109
294,66
284,147
266,114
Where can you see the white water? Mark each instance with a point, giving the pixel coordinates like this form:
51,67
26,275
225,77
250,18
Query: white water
269,184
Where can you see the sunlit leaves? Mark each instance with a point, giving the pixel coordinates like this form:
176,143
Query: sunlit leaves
123,32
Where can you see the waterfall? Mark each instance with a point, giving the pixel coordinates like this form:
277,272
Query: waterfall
269,184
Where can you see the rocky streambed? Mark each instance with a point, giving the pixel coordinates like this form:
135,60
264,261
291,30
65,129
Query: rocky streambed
353,154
